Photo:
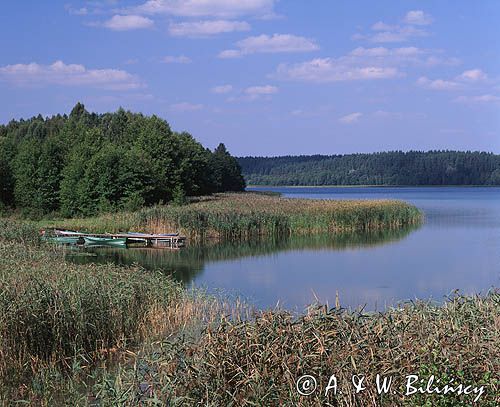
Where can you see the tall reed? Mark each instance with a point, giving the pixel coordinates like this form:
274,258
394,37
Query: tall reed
243,215
258,361
52,311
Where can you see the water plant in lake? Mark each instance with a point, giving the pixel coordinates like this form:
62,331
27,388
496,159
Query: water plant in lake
59,322
259,360
243,215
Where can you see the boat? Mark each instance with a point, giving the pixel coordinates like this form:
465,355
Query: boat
136,240
105,241
66,232
70,240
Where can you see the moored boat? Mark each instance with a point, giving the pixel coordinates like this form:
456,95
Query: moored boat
105,241
71,240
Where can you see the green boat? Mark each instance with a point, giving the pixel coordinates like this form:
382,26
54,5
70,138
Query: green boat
105,241
71,240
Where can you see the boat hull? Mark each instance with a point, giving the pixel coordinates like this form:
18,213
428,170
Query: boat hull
70,240
105,241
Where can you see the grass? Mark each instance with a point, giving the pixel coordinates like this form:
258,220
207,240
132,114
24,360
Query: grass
244,215
54,313
106,335
257,361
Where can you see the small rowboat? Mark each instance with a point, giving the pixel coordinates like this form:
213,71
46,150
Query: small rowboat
66,232
71,240
105,241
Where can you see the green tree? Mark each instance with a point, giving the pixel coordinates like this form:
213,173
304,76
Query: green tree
226,171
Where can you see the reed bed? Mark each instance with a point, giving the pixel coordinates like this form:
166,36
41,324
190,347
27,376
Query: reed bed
53,312
258,361
243,215
62,324
105,335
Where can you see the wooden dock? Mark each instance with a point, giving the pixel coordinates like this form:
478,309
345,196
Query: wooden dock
173,240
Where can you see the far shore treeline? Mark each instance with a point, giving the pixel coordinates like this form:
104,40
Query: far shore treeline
384,168
87,163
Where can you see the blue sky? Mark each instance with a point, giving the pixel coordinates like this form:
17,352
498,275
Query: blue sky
266,77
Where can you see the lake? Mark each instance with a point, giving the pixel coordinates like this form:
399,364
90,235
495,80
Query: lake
456,248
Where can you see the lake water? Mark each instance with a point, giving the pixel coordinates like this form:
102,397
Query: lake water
457,248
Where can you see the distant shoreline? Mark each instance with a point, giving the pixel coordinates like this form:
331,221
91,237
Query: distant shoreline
373,186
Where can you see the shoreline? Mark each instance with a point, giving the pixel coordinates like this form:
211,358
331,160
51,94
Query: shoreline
222,345
372,186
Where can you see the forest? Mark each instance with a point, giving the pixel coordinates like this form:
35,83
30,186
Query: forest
384,168
85,163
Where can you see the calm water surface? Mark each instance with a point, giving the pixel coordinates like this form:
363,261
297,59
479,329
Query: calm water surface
457,248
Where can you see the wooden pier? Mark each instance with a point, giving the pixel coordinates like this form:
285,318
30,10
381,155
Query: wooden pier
173,240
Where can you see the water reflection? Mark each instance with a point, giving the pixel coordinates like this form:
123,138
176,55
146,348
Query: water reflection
187,264
458,247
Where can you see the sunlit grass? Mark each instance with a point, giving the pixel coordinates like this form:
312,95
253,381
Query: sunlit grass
242,215
257,361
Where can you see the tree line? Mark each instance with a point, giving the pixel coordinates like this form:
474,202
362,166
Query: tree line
85,163
384,168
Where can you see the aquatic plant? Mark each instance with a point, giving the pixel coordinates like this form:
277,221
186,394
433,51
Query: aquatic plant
107,335
52,312
244,215
259,361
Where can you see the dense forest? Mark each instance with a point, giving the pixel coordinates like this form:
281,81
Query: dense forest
386,168
87,163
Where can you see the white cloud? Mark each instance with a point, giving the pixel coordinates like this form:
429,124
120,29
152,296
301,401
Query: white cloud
472,75
486,98
221,89
333,70
261,90
276,43
381,26
398,34
362,63
401,56
206,28
350,118
437,84
385,52
181,59
387,33
63,74
418,17
185,107
207,8
462,81
434,60
130,22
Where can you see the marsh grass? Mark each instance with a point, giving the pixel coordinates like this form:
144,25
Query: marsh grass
244,215
63,324
105,335
52,312
257,361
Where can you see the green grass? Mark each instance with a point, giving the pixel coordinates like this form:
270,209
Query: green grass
52,312
106,335
243,215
